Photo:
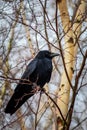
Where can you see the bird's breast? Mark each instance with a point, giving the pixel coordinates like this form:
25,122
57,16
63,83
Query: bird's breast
42,73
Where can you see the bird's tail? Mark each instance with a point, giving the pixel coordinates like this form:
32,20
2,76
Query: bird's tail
10,106
14,104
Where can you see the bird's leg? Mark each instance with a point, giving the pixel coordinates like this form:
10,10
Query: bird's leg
36,88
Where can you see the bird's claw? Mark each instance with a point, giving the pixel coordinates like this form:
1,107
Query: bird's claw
36,88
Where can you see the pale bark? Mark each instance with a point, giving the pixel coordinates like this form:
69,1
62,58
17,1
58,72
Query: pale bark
6,66
68,59
27,31
70,51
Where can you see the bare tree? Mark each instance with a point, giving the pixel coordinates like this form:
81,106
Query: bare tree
27,27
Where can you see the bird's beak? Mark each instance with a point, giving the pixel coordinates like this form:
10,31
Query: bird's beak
54,54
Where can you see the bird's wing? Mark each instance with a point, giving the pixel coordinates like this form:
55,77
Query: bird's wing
23,90
25,77
30,69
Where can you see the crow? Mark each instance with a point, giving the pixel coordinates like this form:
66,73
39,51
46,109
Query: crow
37,73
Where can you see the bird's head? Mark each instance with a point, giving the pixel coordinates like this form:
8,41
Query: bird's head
46,54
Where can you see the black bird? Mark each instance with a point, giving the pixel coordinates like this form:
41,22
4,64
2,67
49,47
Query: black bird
37,73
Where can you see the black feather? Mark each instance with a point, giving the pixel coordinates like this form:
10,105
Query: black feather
39,72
